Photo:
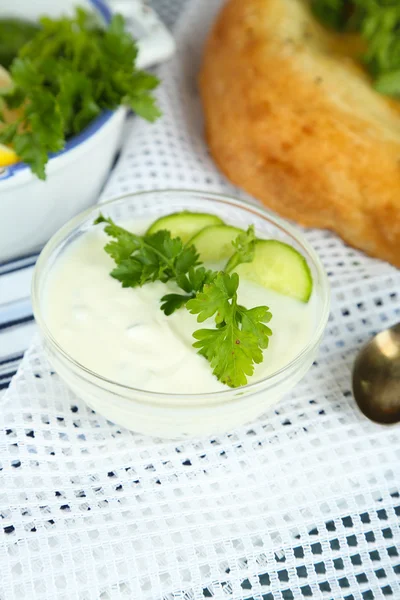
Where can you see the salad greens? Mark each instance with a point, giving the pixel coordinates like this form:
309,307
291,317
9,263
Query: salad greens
235,345
70,71
378,23
14,33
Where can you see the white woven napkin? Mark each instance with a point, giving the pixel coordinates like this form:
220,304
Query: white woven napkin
302,503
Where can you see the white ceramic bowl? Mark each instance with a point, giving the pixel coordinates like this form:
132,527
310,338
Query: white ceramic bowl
179,415
32,210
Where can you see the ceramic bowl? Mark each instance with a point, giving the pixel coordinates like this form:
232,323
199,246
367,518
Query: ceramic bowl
31,210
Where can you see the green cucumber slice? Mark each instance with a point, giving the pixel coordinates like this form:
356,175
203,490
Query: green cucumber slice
279,267
184,224
214,243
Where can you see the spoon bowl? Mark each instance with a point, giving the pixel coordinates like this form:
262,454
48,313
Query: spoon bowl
376,377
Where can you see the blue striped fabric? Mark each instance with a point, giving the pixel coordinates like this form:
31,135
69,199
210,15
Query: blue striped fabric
16,320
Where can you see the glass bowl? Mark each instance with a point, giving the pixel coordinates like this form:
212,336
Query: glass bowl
179,415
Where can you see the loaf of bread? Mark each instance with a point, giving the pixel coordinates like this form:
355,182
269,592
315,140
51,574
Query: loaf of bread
292,118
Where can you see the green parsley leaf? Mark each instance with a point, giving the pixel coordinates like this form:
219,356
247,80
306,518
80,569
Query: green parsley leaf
125,242
235,346
331,13
8,135
253,320
378,23
141,259
43,130
14,33
172,302
131,273
215,298
388,83
244,245
70,70
191,282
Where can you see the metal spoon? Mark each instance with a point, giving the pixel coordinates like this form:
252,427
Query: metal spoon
376,377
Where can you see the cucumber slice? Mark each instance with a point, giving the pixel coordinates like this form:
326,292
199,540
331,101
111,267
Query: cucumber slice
184,224
279,267
214,243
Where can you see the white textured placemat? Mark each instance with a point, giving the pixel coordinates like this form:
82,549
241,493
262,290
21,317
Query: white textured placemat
302,503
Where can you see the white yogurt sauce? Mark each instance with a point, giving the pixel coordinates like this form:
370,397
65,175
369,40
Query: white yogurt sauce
121,333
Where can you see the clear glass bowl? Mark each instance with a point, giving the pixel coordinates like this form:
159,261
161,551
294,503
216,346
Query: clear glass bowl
179,415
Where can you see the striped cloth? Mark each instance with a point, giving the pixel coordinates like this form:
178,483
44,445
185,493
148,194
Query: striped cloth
17,325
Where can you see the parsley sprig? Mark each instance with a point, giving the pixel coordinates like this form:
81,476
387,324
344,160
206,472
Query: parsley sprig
378,23
236,344
155,257
240,334
71,70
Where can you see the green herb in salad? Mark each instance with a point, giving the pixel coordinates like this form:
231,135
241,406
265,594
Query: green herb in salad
240,335
70,71
14,33
378,23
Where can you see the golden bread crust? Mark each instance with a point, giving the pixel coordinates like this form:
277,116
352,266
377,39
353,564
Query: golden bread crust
296,123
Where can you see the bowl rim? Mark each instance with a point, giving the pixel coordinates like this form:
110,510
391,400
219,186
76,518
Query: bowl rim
105,12
178,398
